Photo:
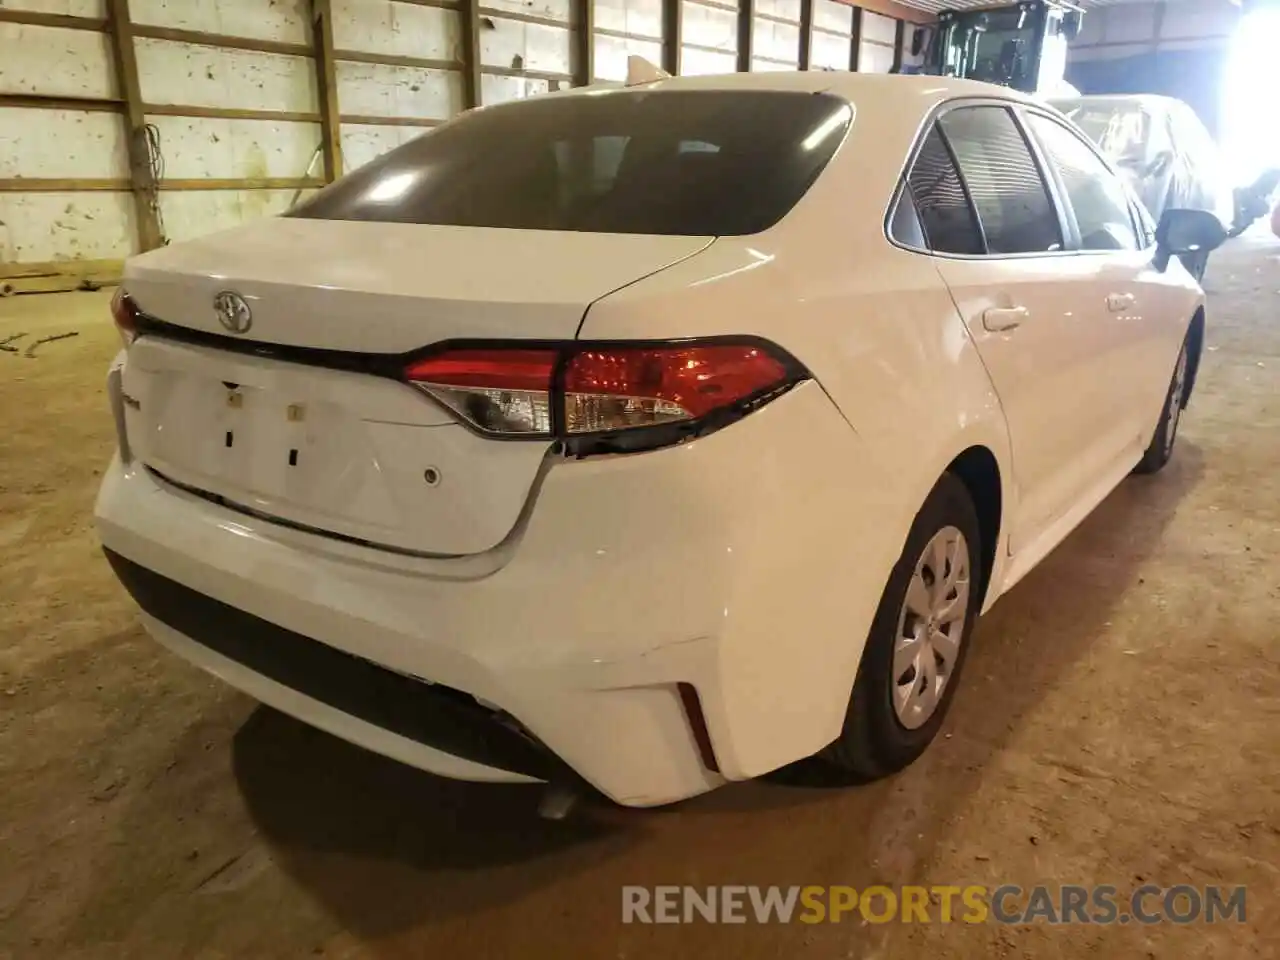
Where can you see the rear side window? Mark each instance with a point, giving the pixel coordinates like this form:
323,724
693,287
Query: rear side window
693,163
1011,198
941,202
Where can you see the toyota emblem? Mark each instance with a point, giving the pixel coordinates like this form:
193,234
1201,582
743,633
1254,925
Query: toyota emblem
233,311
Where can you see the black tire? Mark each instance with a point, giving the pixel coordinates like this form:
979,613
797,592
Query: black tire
874,742
1160,449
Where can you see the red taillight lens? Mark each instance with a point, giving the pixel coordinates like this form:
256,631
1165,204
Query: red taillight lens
125,315
617,388
503,392
583,389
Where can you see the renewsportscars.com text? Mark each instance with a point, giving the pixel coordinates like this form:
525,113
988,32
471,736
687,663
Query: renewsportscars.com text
973,903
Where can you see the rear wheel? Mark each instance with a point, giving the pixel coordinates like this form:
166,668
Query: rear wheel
1160,449
918,640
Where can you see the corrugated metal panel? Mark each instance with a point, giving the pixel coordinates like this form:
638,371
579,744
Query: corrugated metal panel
495,89
639,17
186,73
695,62
384,90
54,61
875,58
710,27
194,213
879,28
62,144
381,26
39,227
830,15
514,44
554,9
275,20
786,9
362,142
776,41
197,147
71,8
829,51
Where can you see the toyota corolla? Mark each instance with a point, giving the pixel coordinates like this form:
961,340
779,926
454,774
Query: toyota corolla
661,435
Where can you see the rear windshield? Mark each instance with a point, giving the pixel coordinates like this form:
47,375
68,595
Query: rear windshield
691,163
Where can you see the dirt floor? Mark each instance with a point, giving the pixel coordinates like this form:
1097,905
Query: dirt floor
1119,723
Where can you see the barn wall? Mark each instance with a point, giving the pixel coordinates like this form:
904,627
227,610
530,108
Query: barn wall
232,93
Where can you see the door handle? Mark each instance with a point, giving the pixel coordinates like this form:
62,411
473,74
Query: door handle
1000,319
1119,302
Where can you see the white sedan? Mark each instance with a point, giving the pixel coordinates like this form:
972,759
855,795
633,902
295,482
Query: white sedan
660,435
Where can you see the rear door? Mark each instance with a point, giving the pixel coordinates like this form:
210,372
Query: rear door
1140,312
1003,251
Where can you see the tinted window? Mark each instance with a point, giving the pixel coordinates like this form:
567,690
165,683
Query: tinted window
1012,201
693,163
1097,197
945,214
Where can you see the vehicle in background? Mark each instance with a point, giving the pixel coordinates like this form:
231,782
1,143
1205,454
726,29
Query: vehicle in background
1019,45
654,436
1164,152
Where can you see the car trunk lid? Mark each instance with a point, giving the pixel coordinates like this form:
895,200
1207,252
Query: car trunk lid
300,417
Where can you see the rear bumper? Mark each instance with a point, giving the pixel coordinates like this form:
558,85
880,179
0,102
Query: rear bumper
746,565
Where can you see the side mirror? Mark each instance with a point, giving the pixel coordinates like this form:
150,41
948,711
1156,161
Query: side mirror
1071,24
1187,231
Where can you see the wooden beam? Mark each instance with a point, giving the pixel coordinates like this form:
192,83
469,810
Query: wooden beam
672,35
471,87
806,34
41,102
327,88
396,60
31,18
899,37
523,17
391,121
891,8
64,185
584,41
124,184
205,39
226,113
141,175
244,183
443,4
547,75
16,271
746,24
855,40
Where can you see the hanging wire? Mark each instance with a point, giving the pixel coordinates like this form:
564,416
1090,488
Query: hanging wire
155,165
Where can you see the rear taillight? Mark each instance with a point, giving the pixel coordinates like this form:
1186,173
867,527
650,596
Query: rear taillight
663,391
125,315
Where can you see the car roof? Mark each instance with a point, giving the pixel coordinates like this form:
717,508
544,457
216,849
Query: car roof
881,90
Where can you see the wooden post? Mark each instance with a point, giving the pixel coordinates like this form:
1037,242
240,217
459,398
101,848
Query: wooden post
471,52
806,34
746,24
672,35
326,88
142,180
584,33
855,40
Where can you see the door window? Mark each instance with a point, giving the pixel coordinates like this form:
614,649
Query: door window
1096,195
1012,201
